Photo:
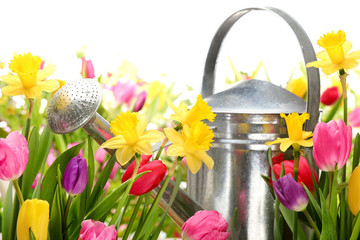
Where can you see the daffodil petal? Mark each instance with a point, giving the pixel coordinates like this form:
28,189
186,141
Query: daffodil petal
285,145
12,90
143,147
209,162
330,69
49,85
193,163
153,136
124,155
349,63
141,125
33,92
174,136
323,55
354,55
176,150
278,140
114,143
319,64
347,47
306,143
306,135
47,71
11,79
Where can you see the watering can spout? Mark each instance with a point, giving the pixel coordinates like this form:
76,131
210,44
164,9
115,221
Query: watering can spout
74,106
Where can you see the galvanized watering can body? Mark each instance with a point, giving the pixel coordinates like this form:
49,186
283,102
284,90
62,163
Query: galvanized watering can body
248,116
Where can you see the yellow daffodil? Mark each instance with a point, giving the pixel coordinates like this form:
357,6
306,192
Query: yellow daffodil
61,84
201,110
354,191
34,215
192,143
2,65
131,137
297,137
298,86
336,55
29,80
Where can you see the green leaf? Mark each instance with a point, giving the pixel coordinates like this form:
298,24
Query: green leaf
356,229
328,231
109,201
49,182
289,218
7,213
316,186
356,155
333,111
313,202
333,200
100,183
31,167
267,182
157,231
132,218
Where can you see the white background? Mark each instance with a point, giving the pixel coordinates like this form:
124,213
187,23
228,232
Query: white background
170,37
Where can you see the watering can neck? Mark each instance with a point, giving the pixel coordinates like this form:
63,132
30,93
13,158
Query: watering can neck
313,78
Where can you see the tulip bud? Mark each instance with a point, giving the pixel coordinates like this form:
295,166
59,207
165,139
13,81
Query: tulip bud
34,215
124,92
140,101
205,225
100,155
290,193
304,174
91,230
332,144
87,68
75,176
148,181
354,191
36,180
330,96
14,154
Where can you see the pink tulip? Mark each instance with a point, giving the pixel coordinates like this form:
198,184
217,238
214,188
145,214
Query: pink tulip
141,99
124,92
91,230
332,144
87,68
148,181
354,117
205,225
100,155
330,96
51,157
33,186
14,154
70,145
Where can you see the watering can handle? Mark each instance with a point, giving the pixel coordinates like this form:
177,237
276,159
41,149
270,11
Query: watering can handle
313,77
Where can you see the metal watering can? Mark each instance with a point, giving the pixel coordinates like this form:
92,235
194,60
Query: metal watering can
248,116
241,128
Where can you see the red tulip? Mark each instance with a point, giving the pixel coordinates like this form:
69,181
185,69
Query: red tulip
330,96
304,175
150,180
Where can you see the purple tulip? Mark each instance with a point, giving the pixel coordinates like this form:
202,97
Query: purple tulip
290,193
75,176
332,145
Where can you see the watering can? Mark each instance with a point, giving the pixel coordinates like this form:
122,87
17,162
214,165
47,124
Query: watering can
248,116
241,129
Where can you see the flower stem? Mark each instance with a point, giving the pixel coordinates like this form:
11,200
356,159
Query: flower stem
18,192
296,172
161,148
331,178
343,75
28,120
115,218
312,223
159,195
68,203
